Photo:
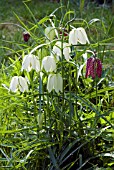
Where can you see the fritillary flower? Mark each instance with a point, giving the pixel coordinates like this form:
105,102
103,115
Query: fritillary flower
18,83
50,33
30,62
66,50
26,36
93,67
78,35
55,82
49,63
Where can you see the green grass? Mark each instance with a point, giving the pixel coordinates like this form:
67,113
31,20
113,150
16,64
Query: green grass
9,31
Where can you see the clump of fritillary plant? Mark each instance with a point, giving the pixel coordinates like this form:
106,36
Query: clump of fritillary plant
58,107
49,63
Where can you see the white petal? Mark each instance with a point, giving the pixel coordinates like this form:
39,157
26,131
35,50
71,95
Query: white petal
60,82
50,83
44,64
66,51
73,39
32,61
23,84
14,84
49,63
26,63
36,65
56,83
50,33
52,62
82,36
57,49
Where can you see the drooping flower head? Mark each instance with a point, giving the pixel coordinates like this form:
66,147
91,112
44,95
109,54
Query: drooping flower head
26,36
30,62
93,67
49,63
18,83
66,50
55,82
50,33
78,35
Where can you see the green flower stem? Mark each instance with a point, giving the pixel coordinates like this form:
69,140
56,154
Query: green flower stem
77,117
96,92
76,114
48,110
62,111
70,102
40,102
33,98
76,106
95,122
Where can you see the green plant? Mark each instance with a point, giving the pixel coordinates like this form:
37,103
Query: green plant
67,124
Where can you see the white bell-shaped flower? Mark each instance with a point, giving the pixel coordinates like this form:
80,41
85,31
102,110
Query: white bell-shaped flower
30,62
57,49
50,33
78,35
18,83
55,82
49,63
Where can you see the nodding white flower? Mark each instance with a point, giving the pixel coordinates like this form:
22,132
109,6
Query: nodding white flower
55,82
18,83
57,49
50,33
30,62
78,35
49,63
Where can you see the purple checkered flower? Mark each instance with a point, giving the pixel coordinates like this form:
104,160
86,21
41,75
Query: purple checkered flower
93,67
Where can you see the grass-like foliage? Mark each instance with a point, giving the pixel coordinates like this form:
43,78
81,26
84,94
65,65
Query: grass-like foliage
57,92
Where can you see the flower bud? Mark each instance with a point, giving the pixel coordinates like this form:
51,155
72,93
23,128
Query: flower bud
26,36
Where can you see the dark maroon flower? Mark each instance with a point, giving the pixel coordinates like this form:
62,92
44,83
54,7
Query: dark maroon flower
26,36
93,67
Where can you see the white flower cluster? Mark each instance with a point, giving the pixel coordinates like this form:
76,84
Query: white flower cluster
49,63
